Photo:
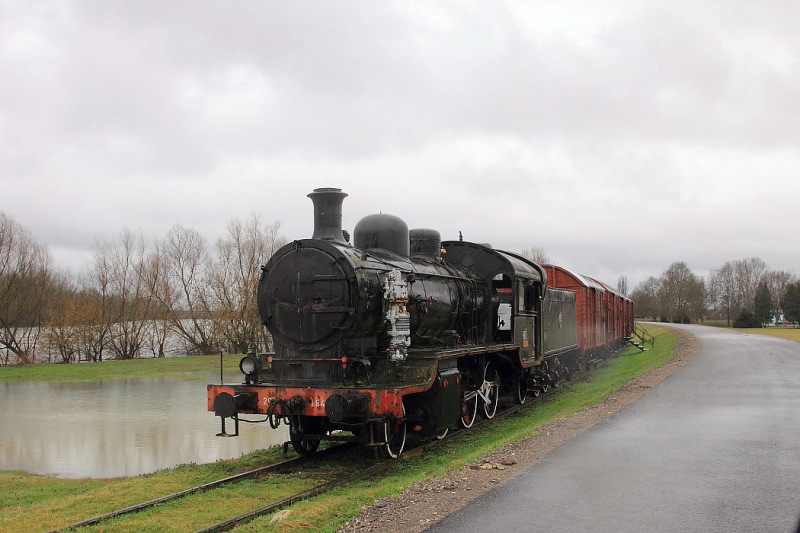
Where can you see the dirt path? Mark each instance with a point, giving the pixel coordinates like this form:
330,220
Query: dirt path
425,502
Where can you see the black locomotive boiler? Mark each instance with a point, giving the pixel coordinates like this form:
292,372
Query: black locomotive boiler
397,336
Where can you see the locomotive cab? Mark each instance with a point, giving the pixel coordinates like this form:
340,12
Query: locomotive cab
516,288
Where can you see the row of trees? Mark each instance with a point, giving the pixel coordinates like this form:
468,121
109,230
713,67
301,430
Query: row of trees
744,292
135,296
739,288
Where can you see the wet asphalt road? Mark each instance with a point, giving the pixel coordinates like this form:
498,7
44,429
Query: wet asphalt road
715,447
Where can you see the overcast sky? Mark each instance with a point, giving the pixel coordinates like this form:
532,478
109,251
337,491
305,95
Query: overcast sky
619,136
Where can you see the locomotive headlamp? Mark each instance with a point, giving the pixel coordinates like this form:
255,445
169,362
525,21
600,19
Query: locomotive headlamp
250,365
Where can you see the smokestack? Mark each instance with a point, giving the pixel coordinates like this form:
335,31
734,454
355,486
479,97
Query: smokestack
328,214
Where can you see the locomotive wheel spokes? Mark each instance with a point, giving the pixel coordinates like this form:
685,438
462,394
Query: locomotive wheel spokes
490,390
557,374
522,389
469,409
394,437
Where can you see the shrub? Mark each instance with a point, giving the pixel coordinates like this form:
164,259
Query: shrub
746,319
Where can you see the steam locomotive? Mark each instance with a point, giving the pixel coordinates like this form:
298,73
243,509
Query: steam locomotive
401,335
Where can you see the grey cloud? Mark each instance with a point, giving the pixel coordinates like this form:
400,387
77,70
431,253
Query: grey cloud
469,118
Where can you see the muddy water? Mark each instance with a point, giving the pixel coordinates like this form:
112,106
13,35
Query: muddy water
116,427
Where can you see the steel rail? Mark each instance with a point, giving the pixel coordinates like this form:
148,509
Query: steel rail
228,524
243,518
199,488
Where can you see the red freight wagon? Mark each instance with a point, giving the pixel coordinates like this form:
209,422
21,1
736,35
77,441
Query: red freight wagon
609,314
618,317
589,308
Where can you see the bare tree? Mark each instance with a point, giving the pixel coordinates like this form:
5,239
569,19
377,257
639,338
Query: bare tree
60,328
96,333
748,274
91,325
622,285
183,288
724,287
24,279
682,294
645,298
160,324
734,285
535,254
247,246
123,264
777,281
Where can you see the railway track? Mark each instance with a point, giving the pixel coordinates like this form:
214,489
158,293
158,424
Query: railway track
287,464
361,474
378,468
293,462
230,523
281,465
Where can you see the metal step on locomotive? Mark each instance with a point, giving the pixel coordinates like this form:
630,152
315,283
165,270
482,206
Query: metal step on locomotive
400,335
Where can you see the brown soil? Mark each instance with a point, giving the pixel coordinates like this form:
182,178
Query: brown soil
425,502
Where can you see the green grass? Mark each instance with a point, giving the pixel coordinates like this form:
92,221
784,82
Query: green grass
329,512
31,502
187,366
36,503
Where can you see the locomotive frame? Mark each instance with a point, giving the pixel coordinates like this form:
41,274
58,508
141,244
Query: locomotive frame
401,334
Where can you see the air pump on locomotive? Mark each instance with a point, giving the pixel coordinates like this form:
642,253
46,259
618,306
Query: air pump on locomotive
397,336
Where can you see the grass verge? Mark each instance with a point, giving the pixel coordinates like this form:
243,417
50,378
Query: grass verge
188,366
38,502
784,333
329,512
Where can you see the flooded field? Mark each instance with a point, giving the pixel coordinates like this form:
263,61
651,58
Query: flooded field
116,427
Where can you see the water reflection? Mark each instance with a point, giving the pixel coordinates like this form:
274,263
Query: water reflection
116,427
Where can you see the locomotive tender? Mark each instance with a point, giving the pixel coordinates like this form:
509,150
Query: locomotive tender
402,335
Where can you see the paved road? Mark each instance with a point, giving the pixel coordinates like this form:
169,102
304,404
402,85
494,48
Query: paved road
715,447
